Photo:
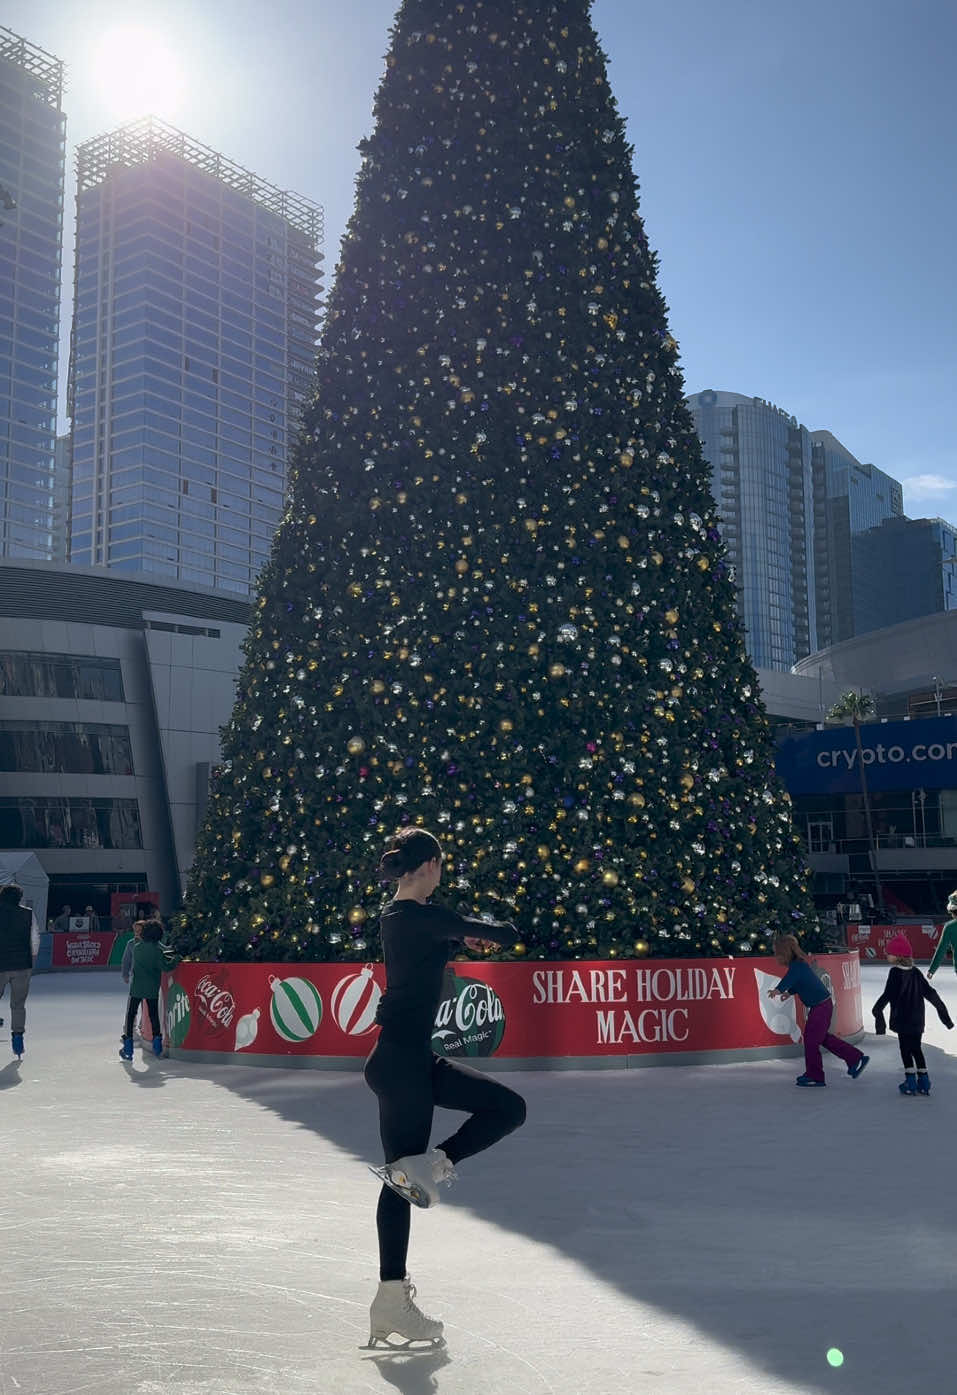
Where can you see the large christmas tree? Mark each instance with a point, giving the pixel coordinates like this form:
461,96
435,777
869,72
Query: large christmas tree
498,605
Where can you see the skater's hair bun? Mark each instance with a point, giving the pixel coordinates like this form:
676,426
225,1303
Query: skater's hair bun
152,932
410,848
11,892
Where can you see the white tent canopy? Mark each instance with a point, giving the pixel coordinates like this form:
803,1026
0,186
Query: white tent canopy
25,869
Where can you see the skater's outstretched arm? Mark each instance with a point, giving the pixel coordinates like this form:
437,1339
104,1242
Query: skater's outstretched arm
934,998
446,924
886,997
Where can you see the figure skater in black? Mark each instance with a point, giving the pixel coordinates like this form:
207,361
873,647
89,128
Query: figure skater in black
410,1080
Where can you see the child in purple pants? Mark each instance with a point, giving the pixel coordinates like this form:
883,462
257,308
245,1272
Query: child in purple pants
801,980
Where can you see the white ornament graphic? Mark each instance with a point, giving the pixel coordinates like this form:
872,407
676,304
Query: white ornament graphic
246,1029
295,1008
780,1018
354,1002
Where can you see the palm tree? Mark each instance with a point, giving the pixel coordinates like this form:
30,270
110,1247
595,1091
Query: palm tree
858,707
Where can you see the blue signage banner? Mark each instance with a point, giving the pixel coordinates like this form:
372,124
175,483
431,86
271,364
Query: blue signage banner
921,754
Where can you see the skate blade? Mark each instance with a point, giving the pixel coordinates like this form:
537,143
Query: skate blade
382,1344
411,1193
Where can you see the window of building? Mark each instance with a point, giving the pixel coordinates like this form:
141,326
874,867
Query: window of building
66,748
69,823
25,674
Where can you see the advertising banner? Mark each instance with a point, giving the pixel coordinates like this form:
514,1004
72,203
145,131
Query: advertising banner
100,949
870,940
511,1011
921,754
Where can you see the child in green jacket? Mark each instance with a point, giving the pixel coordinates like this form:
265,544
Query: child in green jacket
948,938
151,960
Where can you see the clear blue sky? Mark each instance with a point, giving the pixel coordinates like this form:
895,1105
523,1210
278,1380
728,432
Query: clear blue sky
796,164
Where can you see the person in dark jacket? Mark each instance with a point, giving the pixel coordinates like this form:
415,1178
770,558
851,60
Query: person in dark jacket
802,981
906,990
151,960
410,1080
19,942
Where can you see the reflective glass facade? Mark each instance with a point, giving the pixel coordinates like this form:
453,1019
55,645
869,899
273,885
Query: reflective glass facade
904,569
40,822
195,324
762,481
32,156
849,499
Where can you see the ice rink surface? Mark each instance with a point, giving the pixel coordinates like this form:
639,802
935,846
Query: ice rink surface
181,1229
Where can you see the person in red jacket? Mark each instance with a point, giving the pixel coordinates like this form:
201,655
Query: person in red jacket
906,990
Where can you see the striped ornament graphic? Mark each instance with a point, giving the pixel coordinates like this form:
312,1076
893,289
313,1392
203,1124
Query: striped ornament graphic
295,1009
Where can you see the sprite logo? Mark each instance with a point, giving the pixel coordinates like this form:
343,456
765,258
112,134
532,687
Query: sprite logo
177,1015
470,1020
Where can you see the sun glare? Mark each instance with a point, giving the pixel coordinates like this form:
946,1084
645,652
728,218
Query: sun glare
136,74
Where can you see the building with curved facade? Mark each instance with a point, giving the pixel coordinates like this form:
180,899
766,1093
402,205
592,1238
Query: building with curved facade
112,693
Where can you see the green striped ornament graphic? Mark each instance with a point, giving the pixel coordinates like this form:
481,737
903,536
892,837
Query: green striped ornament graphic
295,1009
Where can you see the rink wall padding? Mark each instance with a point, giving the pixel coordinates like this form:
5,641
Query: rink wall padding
596,1014
870,941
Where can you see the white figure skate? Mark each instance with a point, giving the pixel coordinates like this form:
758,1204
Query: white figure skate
394,1314
412,1178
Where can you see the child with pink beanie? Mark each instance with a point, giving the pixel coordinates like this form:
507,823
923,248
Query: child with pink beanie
906,991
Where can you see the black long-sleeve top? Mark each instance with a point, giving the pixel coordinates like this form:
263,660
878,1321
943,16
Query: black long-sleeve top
416,940
906,991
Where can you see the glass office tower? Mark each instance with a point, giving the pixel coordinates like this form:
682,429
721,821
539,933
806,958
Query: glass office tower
849,499
194,333
905,568
762,482
32,165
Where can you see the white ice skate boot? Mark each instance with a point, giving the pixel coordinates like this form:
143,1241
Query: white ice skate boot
413,1178
443,1171
394,1314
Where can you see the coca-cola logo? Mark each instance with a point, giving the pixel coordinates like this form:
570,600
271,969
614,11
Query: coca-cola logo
216,1004
470,1020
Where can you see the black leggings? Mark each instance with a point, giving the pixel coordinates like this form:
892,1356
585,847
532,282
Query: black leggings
152,1007
911,1053
410,1081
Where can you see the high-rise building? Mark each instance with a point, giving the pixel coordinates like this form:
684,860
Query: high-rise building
194,333
849,499
32,165
62,488
761,476
905,568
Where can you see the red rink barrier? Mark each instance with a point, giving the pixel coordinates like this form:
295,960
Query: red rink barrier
870,940
518,1012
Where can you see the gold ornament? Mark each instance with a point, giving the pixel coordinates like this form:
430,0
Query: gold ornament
671,616
505,724
641,948
356,915
687,886
267,879
582,865
610,877
355,746
557,671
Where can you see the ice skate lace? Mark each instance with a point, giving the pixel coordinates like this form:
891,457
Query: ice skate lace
411,1304
442,1169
